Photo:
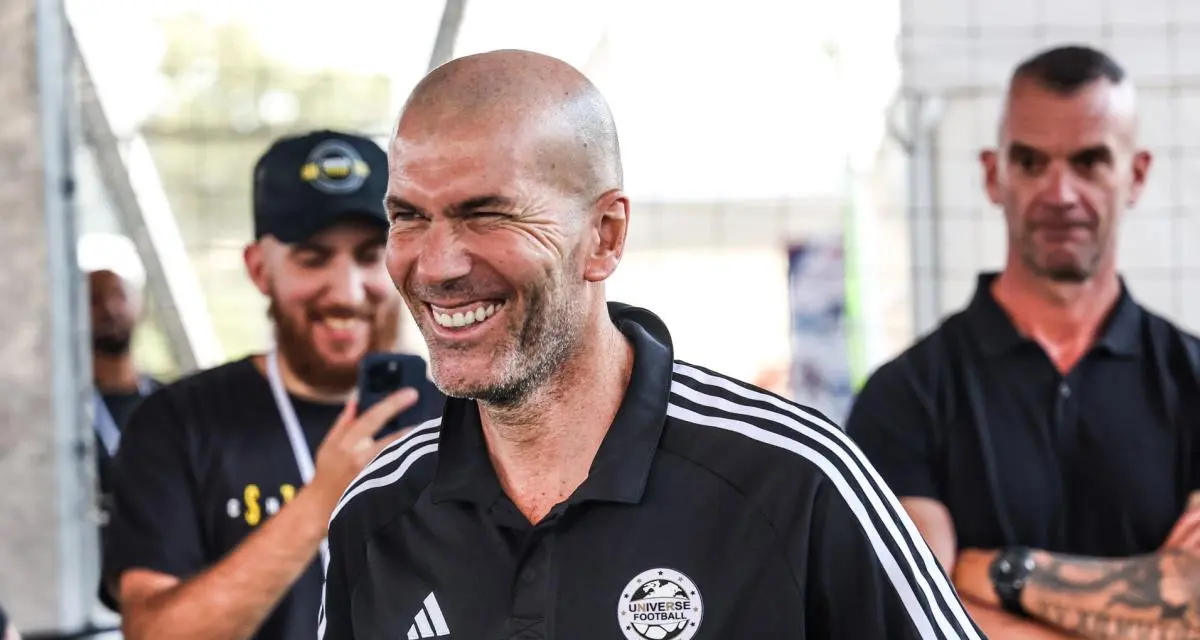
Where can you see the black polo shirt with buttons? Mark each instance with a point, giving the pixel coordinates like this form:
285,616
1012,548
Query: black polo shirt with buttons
1097,462
712,510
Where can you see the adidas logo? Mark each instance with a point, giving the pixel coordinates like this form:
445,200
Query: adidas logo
429,623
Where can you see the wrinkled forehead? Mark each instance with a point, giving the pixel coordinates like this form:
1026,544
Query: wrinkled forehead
435,171
1098,115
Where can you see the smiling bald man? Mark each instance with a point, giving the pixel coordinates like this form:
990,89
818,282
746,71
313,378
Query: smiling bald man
583,483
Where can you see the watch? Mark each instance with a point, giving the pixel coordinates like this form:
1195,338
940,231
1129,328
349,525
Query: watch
1009,572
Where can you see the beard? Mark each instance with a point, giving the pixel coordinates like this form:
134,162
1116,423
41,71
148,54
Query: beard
295,343
538,342
1062,264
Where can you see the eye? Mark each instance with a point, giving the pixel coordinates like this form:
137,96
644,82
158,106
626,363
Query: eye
310,259
370,255
1088,160
405,216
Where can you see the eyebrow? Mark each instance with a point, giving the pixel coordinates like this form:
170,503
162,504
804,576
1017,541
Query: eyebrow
396,203
1093,150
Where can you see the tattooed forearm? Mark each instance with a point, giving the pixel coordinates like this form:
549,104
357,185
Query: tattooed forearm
1155,597
1102,626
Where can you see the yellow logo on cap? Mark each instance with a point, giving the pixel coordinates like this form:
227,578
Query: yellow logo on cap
334,169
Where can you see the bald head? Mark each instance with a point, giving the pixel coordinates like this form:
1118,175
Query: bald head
548,109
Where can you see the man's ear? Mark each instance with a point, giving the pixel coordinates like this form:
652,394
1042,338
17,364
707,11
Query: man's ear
610,224
989,160
256,266
1141,168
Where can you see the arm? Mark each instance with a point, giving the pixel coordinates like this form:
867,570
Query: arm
933,521
1150,596
1155,596
231,599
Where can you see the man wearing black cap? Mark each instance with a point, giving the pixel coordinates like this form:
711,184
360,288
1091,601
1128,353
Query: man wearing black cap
220,508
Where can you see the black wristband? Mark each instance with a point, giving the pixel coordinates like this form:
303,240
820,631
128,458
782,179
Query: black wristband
1009,573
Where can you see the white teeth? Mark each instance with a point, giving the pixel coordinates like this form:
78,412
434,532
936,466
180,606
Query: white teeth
340,323
465,318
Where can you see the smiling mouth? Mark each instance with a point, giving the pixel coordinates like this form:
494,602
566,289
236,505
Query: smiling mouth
464,315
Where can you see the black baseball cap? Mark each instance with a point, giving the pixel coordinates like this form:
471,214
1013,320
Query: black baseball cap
303,184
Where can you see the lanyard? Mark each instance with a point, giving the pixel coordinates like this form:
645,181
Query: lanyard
291,424
106,425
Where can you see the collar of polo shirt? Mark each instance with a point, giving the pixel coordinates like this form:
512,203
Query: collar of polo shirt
622,464
995,332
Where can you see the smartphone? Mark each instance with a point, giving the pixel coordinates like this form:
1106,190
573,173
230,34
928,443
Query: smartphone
382,373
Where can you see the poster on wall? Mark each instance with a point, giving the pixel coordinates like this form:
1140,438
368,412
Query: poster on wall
820,375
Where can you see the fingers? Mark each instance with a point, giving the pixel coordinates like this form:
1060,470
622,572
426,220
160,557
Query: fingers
1186,531
346,417
1191,540
372,420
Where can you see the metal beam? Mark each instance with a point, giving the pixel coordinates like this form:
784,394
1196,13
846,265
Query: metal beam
70,382
131,181
447,35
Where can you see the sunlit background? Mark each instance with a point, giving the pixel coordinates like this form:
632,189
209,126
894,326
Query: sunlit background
806,196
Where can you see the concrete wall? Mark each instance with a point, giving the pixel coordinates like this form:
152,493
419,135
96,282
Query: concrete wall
963,51
46,547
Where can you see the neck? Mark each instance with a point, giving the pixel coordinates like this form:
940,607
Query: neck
543,449
114,374
297,386
1064,318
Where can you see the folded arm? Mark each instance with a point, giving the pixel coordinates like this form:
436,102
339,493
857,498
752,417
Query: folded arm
1155,596
1151,597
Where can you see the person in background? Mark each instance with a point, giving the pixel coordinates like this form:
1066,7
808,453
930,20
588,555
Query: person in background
115,302
115,281
220,506
1045,439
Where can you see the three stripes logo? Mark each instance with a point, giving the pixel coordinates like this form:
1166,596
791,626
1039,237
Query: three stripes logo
429,621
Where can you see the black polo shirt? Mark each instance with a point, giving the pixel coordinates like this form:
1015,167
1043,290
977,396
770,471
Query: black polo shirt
203,463
712,510
1098,462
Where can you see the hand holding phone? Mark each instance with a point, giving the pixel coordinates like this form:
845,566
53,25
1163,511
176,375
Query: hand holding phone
380,374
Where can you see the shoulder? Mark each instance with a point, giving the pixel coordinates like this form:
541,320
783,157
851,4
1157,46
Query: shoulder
392,482
230,377
201,397
1169,336
769,448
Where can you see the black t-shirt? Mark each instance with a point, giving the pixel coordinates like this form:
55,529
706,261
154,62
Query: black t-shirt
202,463
120,406
1097,462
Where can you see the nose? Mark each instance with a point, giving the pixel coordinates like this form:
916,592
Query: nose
347,283
1061,187
443,256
